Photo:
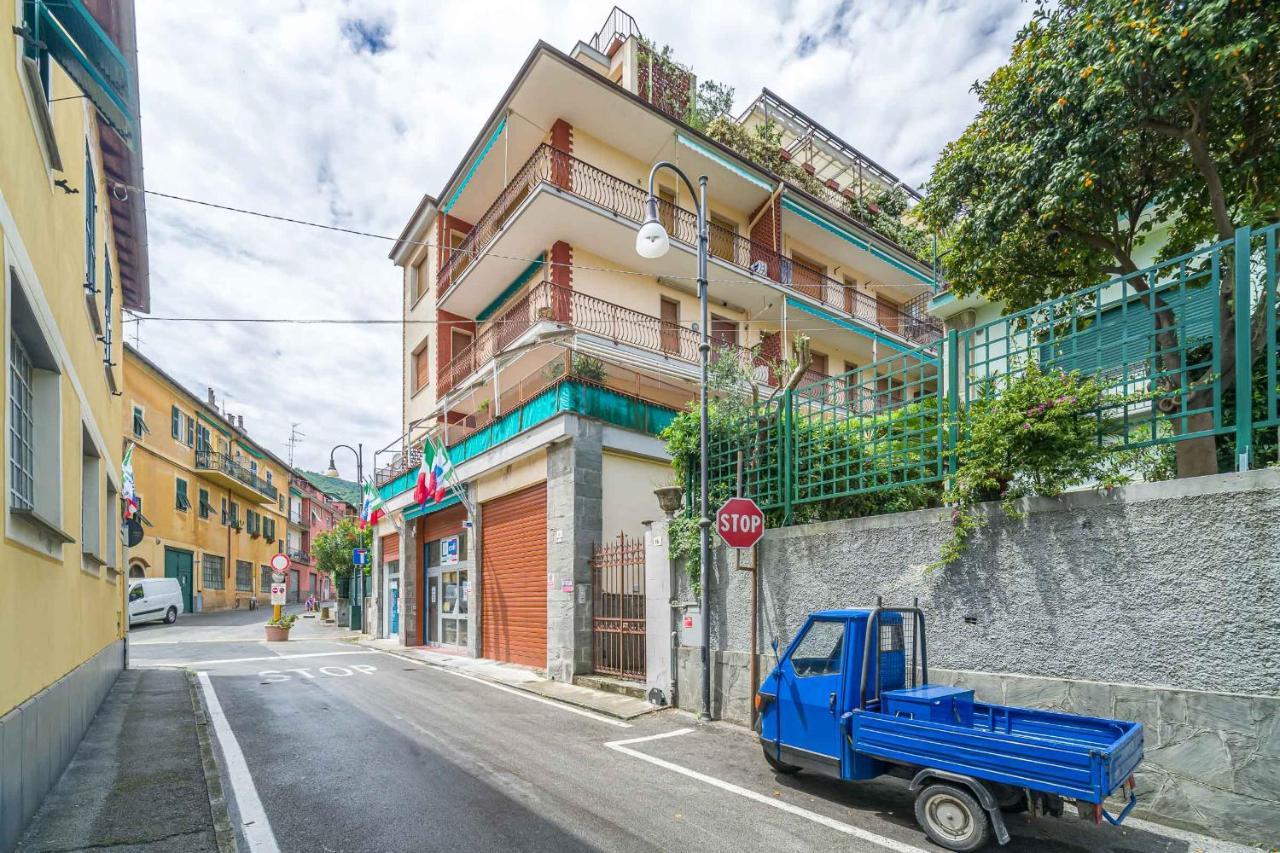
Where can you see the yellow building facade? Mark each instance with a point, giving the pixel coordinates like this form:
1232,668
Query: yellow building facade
214,502
72,255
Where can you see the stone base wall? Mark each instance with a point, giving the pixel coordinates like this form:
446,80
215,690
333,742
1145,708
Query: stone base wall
1211,760
1156,602
38,738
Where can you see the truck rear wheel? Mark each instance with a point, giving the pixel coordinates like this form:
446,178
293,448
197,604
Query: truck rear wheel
952,818
779,765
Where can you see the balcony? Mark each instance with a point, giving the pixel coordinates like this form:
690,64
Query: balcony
565,307
566,175
299,556
227,472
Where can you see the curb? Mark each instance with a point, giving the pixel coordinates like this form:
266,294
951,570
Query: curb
512,685
222,830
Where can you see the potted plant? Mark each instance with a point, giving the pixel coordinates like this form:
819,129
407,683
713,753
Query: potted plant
278,629
669,498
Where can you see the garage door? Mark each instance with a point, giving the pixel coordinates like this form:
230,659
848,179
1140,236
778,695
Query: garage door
513,577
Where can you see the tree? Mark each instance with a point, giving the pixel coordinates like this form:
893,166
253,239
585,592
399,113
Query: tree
1104,110
332,550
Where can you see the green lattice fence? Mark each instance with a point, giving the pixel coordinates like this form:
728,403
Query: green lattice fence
1153,338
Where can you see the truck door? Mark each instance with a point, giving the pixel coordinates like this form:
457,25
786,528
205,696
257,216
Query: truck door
810,688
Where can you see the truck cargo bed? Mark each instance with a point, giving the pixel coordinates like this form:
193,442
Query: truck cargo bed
1085,758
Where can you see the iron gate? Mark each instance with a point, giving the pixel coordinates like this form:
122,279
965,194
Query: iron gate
617,583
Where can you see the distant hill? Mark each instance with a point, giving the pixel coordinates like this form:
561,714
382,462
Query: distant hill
334,487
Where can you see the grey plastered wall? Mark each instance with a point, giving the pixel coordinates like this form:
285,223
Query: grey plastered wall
38,738
574,517
1159,602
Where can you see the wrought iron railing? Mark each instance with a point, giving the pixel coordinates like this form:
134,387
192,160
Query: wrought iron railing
213,460
549,302
621,198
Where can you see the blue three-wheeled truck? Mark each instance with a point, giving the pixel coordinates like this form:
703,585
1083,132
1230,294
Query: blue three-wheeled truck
850,698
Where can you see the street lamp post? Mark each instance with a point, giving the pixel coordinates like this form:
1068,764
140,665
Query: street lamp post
653,242
357,577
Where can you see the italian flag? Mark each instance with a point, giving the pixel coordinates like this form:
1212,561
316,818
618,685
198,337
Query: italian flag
371,508
441,474
128,486
420,490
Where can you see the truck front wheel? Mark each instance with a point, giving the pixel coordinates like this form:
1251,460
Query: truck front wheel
952,818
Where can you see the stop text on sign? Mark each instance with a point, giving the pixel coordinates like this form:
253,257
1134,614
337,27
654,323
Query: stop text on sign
740,523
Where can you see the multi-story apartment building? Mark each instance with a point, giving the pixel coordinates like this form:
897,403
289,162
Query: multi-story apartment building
212,499
312,511
546,355
73,252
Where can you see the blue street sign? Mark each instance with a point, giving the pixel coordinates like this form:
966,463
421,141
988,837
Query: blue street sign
360,556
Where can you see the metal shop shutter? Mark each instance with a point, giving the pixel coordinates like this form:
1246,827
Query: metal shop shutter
390,547
513,577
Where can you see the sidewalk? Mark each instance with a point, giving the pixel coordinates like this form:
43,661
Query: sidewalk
138,779
523,678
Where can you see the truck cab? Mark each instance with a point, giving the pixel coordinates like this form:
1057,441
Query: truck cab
850,699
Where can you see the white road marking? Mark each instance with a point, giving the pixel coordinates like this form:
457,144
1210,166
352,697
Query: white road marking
253,817
194,663
523,694
1202,843
831,823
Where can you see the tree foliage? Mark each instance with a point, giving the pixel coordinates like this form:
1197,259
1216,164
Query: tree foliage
332,549
1104,110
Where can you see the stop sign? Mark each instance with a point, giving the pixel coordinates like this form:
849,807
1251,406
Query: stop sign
740,522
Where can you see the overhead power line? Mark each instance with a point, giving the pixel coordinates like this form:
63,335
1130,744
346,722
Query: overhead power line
356,232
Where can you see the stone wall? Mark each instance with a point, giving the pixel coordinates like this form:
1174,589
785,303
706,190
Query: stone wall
1159,602
574,509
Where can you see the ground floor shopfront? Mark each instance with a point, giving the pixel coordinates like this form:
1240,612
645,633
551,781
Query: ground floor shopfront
507,573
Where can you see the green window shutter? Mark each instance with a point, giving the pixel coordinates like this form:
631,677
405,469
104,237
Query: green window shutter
175,423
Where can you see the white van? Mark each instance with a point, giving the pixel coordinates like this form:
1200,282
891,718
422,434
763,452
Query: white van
154,598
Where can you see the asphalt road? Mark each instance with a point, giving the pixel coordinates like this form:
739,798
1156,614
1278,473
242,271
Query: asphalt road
351,749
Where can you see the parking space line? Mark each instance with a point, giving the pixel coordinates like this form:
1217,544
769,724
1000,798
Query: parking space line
623,746
195,663
523,694
253,817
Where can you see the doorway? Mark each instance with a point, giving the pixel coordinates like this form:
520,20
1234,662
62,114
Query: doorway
433,609
178,564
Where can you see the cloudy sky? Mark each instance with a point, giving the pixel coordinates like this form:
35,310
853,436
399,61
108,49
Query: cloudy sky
346,111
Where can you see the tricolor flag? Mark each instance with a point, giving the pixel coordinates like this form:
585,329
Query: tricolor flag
371,506
420,490
441,474
128,487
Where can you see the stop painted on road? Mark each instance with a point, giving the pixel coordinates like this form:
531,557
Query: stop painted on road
275,676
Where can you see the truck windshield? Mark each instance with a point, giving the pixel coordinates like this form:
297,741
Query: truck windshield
818,653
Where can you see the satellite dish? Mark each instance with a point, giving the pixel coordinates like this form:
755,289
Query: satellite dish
132,532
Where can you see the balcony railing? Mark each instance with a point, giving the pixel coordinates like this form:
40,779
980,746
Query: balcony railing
297,555
213,460
567,173
548,302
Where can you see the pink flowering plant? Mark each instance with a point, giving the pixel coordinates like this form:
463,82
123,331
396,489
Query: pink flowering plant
1037,434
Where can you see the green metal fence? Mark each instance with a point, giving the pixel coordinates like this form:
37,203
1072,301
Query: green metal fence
1154,340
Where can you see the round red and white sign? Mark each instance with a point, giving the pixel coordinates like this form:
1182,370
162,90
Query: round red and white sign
740,522
280,562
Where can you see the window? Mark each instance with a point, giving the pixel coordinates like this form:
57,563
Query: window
180,494
90,496
723,233
202,437
268,528
269,477
235,515
253,468
21,427
819,363
211,572
182,427
139,422
251,522
90,224
264,582
106,310
136,593
669,319
819,652
244,576
111,545
225,518
421,366
205,509
413,275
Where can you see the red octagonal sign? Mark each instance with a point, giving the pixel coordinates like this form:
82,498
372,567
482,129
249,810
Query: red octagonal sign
740,522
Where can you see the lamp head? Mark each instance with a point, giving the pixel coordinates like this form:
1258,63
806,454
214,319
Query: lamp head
652,240
333,469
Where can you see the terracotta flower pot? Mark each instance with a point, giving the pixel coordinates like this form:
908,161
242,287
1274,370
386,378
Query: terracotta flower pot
276,634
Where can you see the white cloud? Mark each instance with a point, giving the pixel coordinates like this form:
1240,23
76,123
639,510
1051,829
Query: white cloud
282,107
